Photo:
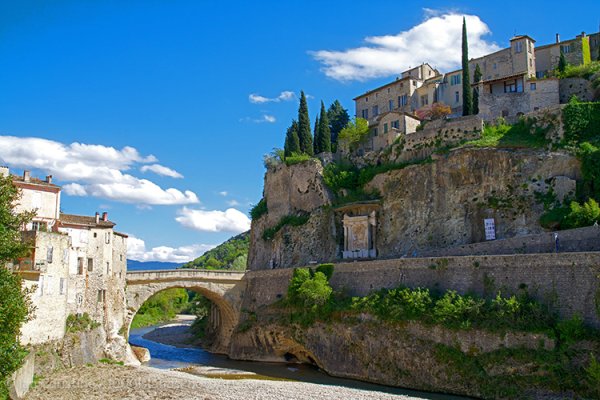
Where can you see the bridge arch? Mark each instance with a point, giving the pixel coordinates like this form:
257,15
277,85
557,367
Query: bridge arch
222,288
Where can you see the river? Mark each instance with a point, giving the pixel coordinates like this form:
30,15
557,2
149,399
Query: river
169,357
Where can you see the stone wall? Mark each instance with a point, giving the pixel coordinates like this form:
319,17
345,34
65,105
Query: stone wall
580,87
494,105
568,280
47,275
572,240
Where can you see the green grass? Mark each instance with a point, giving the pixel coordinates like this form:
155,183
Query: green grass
519,135
108,361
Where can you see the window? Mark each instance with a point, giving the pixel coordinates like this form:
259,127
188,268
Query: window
456,97
518,47
540,74
455,80
385,128
529,47
365,113
65,256
95,234
513,86
374,131
49,279
402,100
396,124
79,265
375,111
107,268
107,237
532,86
63,286
367,99
566,48
101,296
38,226
424,100
49,253
391,104
90,264
120,257
495,66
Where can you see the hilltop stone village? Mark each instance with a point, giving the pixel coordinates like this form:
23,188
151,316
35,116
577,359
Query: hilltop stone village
420,202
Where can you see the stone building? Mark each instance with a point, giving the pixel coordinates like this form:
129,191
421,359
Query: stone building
511,82
77,264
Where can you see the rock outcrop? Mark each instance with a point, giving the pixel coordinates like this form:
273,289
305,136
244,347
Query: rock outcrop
423,207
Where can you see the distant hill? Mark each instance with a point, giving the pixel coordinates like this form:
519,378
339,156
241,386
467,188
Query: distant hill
133,265
232,254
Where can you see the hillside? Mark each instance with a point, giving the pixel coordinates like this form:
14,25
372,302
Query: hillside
232,254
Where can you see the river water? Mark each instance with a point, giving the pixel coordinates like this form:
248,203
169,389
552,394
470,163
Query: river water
167,357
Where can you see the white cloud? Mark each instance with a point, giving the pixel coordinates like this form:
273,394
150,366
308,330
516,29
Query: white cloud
91,170
161,170
233,203
437,41
230,220
286,95
223,193
264,118
136,250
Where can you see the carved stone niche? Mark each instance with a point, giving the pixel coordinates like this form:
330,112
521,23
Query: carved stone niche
360,225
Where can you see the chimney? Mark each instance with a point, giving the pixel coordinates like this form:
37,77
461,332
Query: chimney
557,38
26,176
582,34
4,171
104,216
97,217
49,179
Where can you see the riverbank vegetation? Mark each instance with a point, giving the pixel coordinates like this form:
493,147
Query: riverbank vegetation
568,366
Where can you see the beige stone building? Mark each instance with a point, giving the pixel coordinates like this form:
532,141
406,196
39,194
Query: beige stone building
77,264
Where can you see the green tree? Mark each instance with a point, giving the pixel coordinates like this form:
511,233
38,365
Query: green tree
299,276
304,133
338,118
316,136
466,77
354,133
15,304
323,141
292,142
562,63
314,292
476,78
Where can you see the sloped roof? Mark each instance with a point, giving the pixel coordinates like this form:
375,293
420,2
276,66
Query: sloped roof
84,220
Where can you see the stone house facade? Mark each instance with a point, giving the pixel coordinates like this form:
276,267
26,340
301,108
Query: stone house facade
77,264
511,81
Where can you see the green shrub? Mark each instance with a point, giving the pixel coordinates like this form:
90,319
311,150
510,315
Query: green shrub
571,330
593,375
299,276
80,323
326,269
314,292
291,220
259,209
454,309
581,121
296,158
583,215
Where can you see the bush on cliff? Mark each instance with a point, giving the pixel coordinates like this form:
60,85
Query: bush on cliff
309,289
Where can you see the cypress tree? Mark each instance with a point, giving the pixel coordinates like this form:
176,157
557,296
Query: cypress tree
476,78
323,143
338,119
304,133
562,63
467,100
316,137
292,142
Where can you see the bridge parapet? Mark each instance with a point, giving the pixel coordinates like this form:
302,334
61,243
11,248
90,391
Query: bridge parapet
183,274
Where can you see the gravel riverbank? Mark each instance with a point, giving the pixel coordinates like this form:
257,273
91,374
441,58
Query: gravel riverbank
117,382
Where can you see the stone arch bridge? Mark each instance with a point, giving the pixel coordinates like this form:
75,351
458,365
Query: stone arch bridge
223,288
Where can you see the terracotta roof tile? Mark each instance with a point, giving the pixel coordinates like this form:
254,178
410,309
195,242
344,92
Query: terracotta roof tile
84,220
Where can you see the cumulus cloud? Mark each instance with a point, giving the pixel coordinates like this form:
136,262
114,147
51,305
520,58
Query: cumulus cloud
136,250
223,193
436,40
286,95
92,170
230,220
161,170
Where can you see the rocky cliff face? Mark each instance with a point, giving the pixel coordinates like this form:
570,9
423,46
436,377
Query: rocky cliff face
423,207
406,355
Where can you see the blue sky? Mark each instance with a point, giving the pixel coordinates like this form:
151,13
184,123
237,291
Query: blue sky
159,112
